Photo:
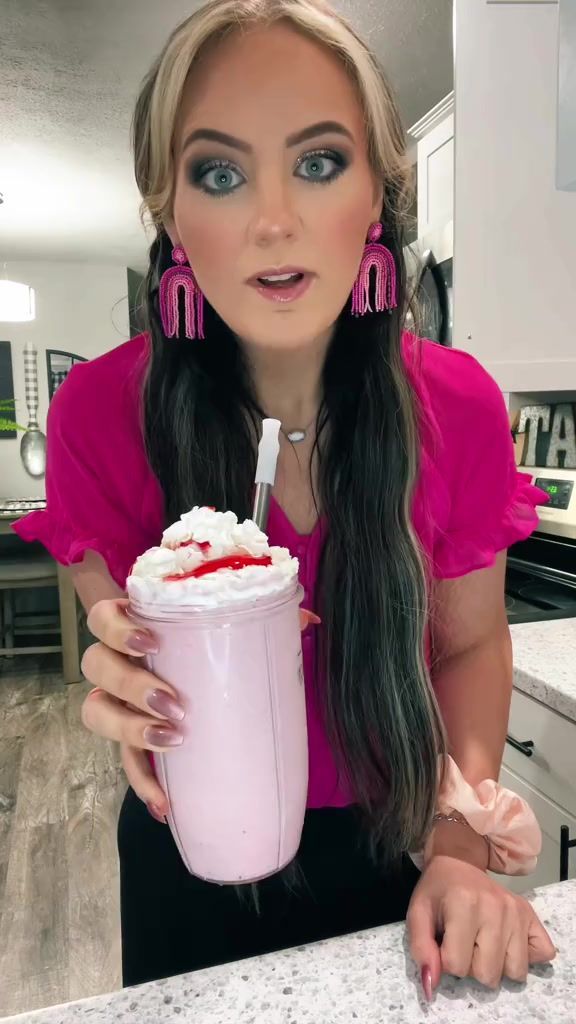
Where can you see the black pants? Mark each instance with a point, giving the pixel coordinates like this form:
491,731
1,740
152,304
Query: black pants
173,923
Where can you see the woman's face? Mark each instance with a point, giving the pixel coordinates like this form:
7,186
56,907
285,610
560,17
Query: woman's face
272,175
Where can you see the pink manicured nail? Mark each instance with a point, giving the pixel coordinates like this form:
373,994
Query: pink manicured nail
310,617
156,813
164,704
95,692
141,643
427,982
157,736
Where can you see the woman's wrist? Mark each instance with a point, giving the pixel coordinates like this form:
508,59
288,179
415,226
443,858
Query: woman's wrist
457,839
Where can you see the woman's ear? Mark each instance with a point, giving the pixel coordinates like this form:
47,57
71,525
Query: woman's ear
170,229
378,202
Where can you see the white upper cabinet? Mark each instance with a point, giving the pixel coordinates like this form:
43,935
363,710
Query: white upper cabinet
514,215
566,156
434,134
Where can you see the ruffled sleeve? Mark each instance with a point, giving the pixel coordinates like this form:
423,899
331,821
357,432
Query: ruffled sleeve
68,546
96,486
491,504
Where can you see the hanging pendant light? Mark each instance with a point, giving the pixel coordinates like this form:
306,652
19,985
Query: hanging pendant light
17,301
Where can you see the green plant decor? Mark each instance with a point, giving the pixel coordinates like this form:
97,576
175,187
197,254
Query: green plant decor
7,406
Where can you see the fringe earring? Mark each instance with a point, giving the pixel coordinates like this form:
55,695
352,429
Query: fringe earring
381,259
171,281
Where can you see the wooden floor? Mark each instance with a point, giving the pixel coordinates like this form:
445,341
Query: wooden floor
60,794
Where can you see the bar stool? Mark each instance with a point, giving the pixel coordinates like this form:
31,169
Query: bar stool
29,572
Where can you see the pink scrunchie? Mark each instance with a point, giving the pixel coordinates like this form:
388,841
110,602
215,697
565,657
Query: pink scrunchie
503,817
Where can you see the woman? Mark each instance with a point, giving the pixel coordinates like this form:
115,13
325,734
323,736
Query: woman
269,149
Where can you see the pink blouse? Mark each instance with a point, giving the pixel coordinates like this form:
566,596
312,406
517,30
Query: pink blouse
102,495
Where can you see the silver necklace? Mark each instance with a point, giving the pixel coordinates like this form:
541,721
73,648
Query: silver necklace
297,435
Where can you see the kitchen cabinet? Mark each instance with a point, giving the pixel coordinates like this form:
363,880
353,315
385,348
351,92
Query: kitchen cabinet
434,135
566,154
551,817
514,228
546,780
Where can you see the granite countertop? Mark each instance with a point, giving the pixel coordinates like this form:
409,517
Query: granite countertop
545,663
367,977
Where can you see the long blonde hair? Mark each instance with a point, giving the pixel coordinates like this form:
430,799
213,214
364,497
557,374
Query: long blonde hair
379,707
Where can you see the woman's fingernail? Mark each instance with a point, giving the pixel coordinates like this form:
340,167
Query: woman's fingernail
427,982
164,704
310,618
156,736
156,813
95,692
141,643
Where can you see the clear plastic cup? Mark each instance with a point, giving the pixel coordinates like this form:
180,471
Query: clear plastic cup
237,786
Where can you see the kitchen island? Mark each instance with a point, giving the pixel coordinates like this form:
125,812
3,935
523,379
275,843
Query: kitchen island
367,977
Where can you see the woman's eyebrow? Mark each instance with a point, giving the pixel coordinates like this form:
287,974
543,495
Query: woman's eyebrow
320,128
311,132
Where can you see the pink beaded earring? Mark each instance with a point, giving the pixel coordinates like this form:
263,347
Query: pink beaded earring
381,259
170,283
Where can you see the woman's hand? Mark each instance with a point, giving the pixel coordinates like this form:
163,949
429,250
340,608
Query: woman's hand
130,704
483,931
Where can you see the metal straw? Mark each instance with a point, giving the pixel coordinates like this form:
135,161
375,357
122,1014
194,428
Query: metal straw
266,471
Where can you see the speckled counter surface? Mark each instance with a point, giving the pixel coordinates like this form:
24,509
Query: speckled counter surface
367,977
545,664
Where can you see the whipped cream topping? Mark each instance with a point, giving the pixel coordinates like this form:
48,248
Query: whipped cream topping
161,574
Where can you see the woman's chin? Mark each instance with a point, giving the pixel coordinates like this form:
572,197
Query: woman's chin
290,332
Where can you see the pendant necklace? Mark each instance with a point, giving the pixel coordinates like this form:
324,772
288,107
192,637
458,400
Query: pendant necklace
297,435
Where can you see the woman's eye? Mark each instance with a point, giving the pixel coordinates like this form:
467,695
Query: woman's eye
322,167
217,177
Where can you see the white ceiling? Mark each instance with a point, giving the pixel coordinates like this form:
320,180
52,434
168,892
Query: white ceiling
69,74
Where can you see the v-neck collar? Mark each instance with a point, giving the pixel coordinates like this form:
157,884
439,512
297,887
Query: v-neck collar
278,520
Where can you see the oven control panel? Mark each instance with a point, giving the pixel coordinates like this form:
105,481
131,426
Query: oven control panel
558,516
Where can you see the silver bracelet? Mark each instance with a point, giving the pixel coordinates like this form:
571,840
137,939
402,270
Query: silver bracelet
453,816
459,819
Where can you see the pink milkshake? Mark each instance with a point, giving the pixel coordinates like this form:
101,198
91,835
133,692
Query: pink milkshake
224,607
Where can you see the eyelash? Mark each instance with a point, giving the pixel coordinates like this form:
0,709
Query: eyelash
198,172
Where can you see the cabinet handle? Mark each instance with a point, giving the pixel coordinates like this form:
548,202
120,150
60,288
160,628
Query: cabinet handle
525,747
566,845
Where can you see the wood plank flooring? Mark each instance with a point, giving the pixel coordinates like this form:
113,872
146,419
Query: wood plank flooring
60,793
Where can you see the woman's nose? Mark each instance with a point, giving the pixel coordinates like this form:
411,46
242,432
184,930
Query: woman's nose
274,219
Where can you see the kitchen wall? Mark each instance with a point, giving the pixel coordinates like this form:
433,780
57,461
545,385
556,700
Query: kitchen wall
80,308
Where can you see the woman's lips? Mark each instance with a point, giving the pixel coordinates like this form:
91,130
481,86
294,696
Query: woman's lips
276,292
